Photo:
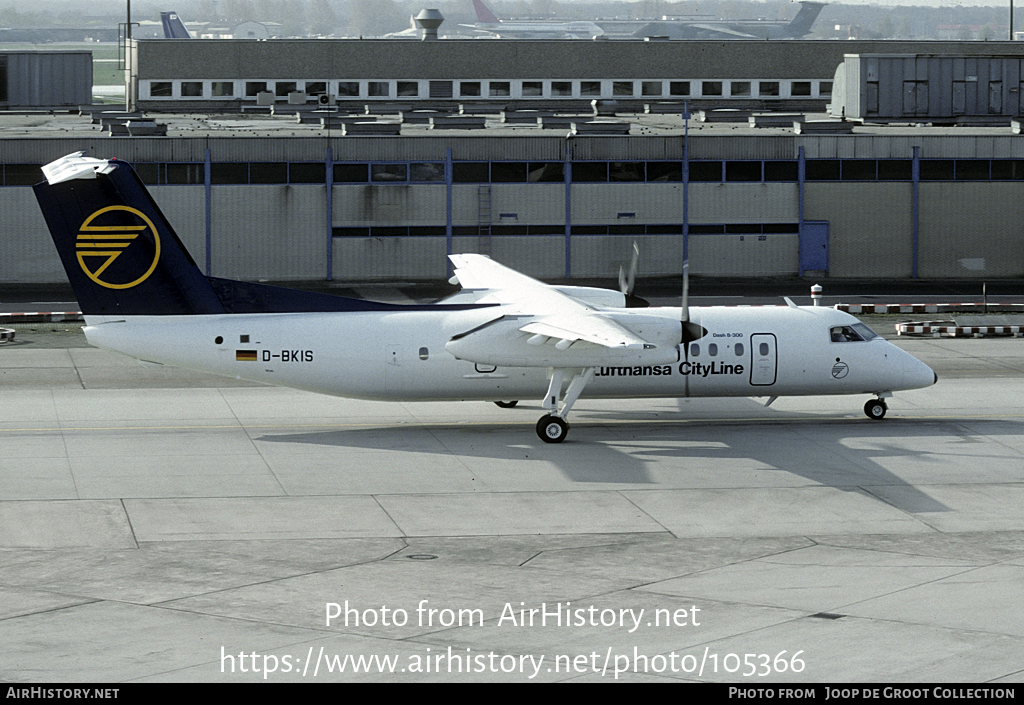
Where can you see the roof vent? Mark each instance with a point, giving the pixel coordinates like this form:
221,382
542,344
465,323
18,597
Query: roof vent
429,21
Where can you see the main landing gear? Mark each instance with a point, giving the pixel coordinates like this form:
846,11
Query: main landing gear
553,428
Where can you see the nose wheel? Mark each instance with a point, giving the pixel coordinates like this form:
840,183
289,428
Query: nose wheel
875,409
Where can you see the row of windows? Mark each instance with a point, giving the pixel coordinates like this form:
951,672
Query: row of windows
356,90
713,171
762,230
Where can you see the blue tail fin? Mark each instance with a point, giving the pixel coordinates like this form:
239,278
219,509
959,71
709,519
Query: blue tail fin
123,258
120,253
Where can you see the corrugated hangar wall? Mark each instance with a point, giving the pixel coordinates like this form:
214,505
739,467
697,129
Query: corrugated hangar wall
964,229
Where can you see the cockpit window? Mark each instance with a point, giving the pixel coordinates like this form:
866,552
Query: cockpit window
865,332
852,333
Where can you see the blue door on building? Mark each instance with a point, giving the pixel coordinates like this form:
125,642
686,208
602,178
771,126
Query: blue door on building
813,246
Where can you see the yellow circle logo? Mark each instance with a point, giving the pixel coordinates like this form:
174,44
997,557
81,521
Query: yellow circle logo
100,243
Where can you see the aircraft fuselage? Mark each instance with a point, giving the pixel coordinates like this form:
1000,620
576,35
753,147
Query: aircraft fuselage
762,351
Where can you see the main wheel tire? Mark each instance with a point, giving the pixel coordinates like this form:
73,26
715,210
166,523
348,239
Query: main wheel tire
552,429
875,409
507,404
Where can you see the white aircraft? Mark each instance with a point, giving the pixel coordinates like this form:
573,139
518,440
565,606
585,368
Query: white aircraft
488,22
505,336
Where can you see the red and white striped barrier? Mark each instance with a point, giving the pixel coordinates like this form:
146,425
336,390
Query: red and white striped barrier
42,317
931,308
939,328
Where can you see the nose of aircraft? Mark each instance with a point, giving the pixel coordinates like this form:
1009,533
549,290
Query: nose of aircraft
916,374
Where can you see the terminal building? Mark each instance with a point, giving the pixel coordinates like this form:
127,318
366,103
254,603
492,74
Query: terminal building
358,160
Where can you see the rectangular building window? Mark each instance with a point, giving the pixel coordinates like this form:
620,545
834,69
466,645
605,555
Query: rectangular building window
711,88
561,88
545,172
499,89
283,88
742,171
590,172
768,89
859,170
254,87
972,170
389,172
651,88
825,89
622,89
222,89
194,173
705,171
378,89
1007,169
150,173
22,174
268,173
895,170
533,89
664,171
421,172
306,173
160,89
823,170
316,87
937,170
781,171
800,88
350,173
739,89
590,88
679,88
349,89
626,171
469,89
470,172
508,172
229,173
407,89
191,89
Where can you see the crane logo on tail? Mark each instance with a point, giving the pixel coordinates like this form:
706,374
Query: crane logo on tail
108,234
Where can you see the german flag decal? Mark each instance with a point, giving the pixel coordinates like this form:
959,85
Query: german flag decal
245,356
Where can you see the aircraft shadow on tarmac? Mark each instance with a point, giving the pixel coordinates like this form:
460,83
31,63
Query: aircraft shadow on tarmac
638,448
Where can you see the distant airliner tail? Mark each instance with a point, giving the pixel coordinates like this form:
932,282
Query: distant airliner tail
804,19
173,26
483,13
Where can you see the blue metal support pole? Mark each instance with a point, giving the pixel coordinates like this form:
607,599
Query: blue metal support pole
686,181
916,176
448,179
568,206
329,181
801,179
209,206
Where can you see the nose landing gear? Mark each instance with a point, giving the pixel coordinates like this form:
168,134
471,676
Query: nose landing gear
875,409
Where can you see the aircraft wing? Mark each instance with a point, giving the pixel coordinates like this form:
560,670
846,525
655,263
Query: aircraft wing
544,310
723,30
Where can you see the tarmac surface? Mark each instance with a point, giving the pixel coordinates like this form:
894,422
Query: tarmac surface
163,525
